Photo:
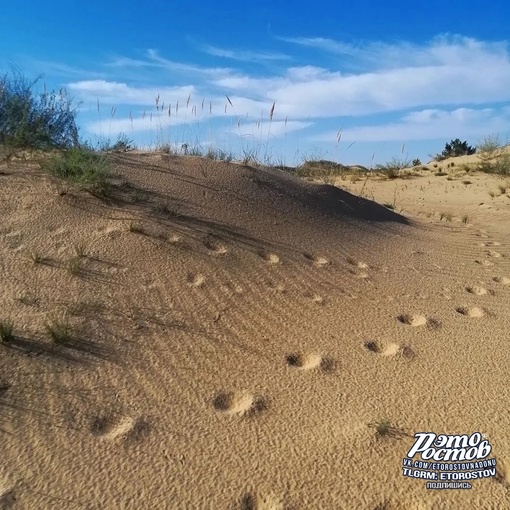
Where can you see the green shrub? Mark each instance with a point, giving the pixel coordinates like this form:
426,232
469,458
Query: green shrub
500,166
43,120
82,167
6,331
456,148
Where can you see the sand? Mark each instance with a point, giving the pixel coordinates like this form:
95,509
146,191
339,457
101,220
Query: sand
236,334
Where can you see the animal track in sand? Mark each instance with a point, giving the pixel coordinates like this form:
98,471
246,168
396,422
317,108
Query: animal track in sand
477,291
317,299
317,261
391,349
412,319
359,273
485,263
358,264
272,258
250,501
216,248
129,429
494,254
472,312
310,362
240,403
490,243
502,279
196,280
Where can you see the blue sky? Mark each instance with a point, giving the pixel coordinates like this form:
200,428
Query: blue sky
355,82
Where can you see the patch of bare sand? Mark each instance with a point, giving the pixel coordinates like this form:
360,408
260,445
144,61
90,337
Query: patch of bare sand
202,374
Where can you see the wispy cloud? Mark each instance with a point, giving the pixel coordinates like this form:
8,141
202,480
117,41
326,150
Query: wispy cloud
446,49
120,93
154,60
431,124
244,55
458,72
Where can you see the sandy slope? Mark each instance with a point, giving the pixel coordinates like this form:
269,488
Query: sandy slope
235,332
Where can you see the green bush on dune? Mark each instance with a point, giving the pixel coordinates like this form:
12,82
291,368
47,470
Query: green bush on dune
45,121
34,121
454,149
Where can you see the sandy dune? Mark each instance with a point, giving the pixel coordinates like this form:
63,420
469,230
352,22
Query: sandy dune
235,333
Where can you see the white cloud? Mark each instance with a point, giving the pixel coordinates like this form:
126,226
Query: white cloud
243,55
116,93
429,125
154,60
444,49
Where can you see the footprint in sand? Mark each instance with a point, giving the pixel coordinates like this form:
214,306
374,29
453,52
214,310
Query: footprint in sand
360,273
391,349
473,312
502,279
239,403
414,320
215,247
316,298
272,258
128,429
357,263
196,280
490,243
477,291
250,501
317,261
310,362
485,263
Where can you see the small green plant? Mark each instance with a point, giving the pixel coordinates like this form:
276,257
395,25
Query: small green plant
82,167
59,331
74,265
416,162
6,331
490,147
36,257
382,427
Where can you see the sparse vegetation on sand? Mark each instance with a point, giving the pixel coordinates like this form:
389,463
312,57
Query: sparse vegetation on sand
34,121
82,167
6,330
60,331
